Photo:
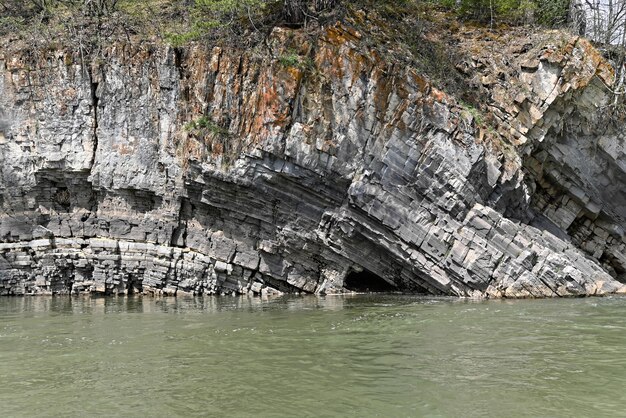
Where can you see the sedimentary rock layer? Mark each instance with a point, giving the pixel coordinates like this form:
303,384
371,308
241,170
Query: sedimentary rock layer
307,165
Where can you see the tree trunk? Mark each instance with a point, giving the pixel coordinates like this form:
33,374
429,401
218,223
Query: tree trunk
99,7
321,5
294,11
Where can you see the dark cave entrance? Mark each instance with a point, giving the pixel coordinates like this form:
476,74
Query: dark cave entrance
366,281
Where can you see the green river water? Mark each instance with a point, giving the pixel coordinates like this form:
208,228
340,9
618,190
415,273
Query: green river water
358,356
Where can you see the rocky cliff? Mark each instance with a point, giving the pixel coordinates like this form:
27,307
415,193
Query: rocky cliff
311,164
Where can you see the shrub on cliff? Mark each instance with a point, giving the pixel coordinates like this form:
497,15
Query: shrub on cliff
220,18
28,8
544,12
212,19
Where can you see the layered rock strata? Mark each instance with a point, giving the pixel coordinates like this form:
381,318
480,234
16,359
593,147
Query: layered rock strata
312,166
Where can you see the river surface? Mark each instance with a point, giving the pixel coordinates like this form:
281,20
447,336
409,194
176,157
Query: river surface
358,356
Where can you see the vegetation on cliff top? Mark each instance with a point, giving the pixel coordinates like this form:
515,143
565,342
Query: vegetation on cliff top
182,21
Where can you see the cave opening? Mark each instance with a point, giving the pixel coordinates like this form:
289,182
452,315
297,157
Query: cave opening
366,281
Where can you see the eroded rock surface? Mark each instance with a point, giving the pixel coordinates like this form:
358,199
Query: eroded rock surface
204,171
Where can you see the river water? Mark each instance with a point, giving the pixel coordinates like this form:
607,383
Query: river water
358,356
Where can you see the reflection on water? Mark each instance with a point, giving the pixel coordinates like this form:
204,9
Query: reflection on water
107,305
383,355
138,304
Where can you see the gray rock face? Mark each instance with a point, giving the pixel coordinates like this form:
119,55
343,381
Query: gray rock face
175,172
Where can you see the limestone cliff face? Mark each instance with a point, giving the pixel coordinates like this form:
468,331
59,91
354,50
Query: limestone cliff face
310,166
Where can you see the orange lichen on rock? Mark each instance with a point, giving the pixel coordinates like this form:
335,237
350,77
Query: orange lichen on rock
604,69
